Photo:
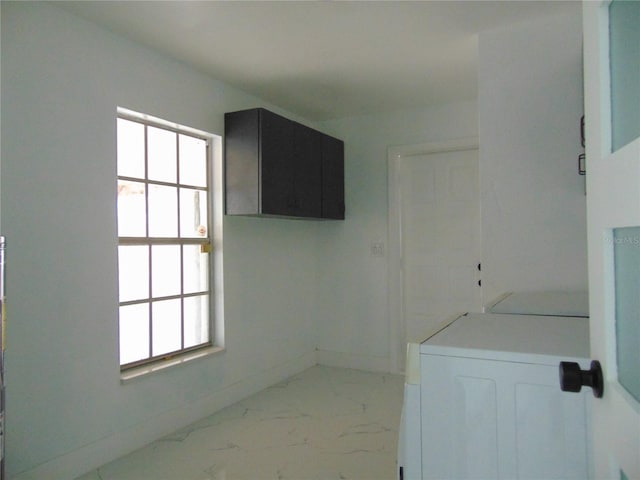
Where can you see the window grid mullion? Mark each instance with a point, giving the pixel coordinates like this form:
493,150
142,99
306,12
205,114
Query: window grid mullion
180,234
140,301
163,241
162,183
176,185
149,250
182,296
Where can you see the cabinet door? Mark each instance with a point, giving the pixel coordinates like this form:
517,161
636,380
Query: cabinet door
291,167
242,162
500,420
276,158
332,178
306,168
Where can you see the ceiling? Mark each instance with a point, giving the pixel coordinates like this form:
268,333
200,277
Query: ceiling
325,59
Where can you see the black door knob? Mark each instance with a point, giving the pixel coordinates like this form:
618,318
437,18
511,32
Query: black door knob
572,379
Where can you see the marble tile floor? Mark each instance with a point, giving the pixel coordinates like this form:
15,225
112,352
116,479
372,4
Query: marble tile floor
324,423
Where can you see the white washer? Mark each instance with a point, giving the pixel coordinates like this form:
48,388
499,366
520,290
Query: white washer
482,400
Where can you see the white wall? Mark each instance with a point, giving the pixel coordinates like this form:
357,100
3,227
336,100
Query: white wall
62,79
353,329
533,202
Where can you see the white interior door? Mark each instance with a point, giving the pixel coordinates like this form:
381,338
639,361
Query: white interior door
612,112
439,210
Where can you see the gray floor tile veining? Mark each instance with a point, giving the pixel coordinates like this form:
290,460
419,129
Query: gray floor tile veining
325,423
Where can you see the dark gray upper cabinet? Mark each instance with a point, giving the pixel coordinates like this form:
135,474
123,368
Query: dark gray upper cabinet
277,167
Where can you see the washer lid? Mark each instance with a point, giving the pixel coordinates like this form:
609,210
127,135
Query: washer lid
527,338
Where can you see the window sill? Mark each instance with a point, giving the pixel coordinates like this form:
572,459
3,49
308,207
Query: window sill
144,370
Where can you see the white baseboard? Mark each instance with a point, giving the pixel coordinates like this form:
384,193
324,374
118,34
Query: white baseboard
370,363
91,456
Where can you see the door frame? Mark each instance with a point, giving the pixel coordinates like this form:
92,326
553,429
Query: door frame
395,154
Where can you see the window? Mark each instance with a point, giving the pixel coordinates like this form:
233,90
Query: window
164,239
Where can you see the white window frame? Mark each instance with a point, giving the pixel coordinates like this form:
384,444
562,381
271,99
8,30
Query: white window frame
212,243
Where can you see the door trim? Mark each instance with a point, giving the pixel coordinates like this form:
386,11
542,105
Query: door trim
395,293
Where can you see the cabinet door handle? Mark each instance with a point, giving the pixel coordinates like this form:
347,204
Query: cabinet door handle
572,379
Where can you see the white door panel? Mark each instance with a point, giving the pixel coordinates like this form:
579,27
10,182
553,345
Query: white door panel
613,204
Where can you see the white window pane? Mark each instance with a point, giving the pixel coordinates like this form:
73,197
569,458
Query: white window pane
626,253
134,333
624,61
165,268
131,209
193,213
163,211
193,161
130,149
196,269
133,272
196,320
161,145
166,326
